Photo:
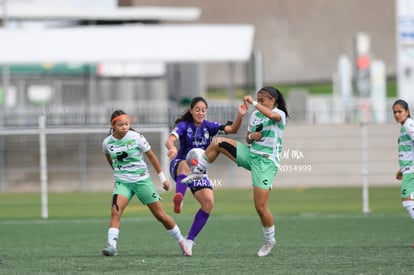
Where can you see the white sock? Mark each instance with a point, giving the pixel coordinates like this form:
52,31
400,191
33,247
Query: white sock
203,162
113,234
409,206
176,233
269,233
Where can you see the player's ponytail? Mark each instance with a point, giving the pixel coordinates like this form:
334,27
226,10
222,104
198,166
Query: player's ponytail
281,103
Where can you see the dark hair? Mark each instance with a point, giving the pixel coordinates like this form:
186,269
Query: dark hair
403,104
114,115
187,116
280,102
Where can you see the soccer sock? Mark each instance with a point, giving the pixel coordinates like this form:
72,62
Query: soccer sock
113,234
203,162
200,220
269,233
180,187
176,233
409,206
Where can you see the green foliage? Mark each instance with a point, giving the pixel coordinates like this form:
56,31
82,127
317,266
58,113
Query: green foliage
312,88
392,88
320,88
225,94
319,231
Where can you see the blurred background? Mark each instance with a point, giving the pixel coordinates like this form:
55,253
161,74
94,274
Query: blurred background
67,65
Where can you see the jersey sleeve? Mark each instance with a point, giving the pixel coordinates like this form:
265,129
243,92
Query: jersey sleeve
105,146
282,116
143,144
410,129
179,129
214,127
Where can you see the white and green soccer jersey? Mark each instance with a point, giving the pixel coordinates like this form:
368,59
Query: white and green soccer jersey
270,145
406,147
128,156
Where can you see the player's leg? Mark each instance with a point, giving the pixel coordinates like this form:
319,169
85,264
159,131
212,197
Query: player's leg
159,213
222,145
261,197
120,199
172,228
408,205
179,170
146,193
263,174
205,196
219,145
407,195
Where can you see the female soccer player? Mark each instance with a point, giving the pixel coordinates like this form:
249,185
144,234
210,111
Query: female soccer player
261,156
124,150
406,155
194,131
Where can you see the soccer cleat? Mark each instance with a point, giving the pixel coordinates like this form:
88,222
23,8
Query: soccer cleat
110,251
266,248
178,202
196,174
187,247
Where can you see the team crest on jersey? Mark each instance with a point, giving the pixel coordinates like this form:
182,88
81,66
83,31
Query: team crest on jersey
206,134
189,133
130,145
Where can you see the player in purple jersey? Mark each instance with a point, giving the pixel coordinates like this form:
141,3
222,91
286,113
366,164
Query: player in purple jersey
194,131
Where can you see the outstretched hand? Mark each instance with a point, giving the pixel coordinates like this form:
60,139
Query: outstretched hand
248,99
243,108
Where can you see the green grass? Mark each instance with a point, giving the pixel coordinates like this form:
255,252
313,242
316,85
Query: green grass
319,231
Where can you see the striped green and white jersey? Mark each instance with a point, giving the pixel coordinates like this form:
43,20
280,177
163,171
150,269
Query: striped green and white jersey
128,156
406,147
270,145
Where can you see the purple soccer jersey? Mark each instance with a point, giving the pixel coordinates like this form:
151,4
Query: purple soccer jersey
191,136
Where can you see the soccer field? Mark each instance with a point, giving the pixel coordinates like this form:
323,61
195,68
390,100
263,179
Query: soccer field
319,231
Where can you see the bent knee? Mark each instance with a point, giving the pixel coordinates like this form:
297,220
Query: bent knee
208,205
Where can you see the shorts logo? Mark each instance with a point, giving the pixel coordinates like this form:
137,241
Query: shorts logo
265,182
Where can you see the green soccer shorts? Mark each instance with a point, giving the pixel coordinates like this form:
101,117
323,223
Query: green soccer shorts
144,190
263,169
407,186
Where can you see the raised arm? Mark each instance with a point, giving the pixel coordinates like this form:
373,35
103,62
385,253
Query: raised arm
234,127
261,108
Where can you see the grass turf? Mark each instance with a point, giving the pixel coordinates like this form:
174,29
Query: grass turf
319,231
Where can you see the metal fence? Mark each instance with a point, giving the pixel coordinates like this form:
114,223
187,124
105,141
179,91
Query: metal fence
314,155
323,143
